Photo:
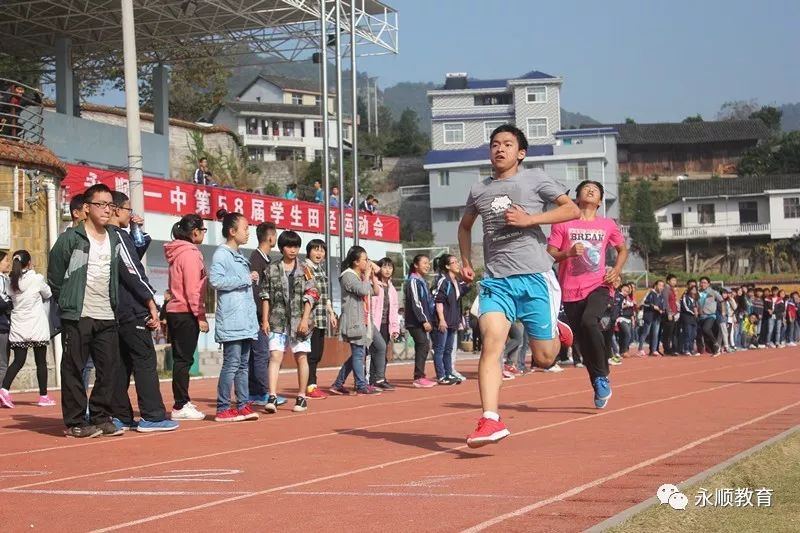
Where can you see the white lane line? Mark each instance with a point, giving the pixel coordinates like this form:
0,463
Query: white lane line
403,494
60,492
439,452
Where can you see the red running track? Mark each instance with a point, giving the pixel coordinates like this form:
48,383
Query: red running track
399,460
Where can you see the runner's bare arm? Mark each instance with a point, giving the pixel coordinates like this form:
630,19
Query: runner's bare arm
465,242
565,210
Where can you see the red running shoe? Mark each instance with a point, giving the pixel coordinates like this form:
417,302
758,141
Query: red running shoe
247,413
487,432
564,334
317,394
511,369
229,415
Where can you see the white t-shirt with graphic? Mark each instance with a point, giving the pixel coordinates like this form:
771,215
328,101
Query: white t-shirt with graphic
97,301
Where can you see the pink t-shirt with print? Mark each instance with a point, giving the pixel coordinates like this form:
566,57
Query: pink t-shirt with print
579,276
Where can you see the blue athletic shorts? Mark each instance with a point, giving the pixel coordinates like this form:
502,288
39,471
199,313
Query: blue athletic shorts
533,299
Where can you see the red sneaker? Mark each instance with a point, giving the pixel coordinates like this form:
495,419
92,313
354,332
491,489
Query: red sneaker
511,369
247,413
316,393
229,415
564,334
487,432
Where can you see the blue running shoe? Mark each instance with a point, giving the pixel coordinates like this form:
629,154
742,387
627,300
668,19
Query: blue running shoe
146,426
119,424
602,392
258,399
281,400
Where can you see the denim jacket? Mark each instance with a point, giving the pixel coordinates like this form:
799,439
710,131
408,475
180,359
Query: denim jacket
236,310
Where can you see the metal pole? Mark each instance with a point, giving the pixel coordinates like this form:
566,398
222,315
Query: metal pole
354,76
339,136
326,152
132,109
369,107
375,101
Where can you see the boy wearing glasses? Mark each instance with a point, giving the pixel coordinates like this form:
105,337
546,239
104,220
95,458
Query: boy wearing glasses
83,274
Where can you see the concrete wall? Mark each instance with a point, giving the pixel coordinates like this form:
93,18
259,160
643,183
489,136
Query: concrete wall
782,227
267,92
75,139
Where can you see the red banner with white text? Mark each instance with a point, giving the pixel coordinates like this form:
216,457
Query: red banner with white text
178,198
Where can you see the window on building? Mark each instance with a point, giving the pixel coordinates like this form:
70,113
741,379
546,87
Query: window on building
252,126
288,128
346,133
493,99
661,219
453,133
255,153
276,128
318,155
705,213
317,100
265,127
677,220
578,171
748,212
536,95
485,172
791,207
297,99
489,127
453,214
537,128
444,178
317,128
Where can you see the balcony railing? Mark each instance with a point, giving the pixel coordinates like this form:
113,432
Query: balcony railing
20,112
708,231
294,140
415,191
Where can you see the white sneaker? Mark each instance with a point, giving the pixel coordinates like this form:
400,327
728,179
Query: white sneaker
189,412
554,369
792,344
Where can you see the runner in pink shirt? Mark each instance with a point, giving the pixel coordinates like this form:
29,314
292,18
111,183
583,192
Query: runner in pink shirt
579,246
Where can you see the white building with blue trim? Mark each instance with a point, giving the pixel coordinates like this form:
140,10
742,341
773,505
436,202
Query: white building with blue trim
464,113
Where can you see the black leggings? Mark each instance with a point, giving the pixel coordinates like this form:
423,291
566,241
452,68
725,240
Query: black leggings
20,354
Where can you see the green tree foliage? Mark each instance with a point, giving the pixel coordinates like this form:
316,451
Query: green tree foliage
695,118
629,120
780,155
644,228
771,116
406,138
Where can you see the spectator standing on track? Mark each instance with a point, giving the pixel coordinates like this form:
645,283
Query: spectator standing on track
688,321
288,294
236,326
30,327
708,304
519,283
653,307
322,314
359,283
626,318
5,311
419,317
671,316
386,319
579,247
137,316
792,329
82,271
186,311
450,288
267,235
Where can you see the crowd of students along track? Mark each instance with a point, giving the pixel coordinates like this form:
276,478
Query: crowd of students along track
265,306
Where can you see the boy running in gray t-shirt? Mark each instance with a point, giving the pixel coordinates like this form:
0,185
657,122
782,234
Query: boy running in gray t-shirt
519,283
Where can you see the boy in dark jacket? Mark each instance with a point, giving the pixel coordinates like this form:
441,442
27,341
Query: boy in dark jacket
137,316
82,271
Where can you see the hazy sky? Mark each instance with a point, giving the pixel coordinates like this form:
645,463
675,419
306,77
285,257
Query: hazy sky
653,61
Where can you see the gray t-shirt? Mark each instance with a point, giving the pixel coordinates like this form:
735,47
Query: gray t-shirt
508,250
96,300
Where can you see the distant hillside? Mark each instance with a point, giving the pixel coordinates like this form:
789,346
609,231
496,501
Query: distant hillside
576,120
790,121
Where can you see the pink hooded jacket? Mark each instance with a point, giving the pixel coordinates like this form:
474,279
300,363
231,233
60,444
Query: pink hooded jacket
394,310
187,278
